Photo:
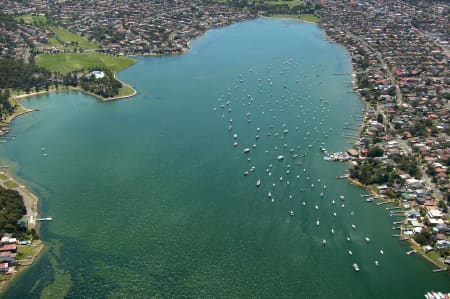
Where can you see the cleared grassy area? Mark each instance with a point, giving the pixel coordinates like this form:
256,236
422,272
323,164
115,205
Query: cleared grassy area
23,251
3,177
125,91
68,62
434,256
66,36
29,19
284,2
11,184
309,18
304,17
52,41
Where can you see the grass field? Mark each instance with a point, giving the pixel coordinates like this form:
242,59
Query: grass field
125,91
284,2
66,36
64,63
436,258
11,184
29,19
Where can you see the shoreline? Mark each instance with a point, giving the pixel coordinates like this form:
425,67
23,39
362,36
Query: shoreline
30,201
290,17
412,244
22,265
133,93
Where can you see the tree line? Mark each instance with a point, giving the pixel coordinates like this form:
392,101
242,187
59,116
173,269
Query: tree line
12,209
17,75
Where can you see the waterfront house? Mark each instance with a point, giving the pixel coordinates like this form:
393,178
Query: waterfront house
9,247
4,267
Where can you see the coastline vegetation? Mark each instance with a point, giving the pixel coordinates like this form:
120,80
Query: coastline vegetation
18,75
311,18
12,209
105,87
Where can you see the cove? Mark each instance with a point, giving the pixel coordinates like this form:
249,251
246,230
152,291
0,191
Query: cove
149,198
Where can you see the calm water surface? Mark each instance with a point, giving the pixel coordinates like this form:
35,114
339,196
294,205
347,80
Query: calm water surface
149,198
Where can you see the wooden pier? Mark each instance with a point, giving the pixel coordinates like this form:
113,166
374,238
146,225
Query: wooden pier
384,202
440,270
397,214
44,219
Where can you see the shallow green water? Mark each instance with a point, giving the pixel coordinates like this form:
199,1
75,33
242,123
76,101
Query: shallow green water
148,196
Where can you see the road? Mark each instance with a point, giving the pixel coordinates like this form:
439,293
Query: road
380,59
402,143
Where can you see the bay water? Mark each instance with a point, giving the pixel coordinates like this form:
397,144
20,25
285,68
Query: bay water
151,197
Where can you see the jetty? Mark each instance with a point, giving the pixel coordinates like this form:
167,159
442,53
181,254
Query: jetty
439,270
384,202
44,219
411,251
397,214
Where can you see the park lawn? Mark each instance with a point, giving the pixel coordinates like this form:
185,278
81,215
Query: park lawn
66,36
304,17
29,19
125,91
68,62
309,18
52,41
25,250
